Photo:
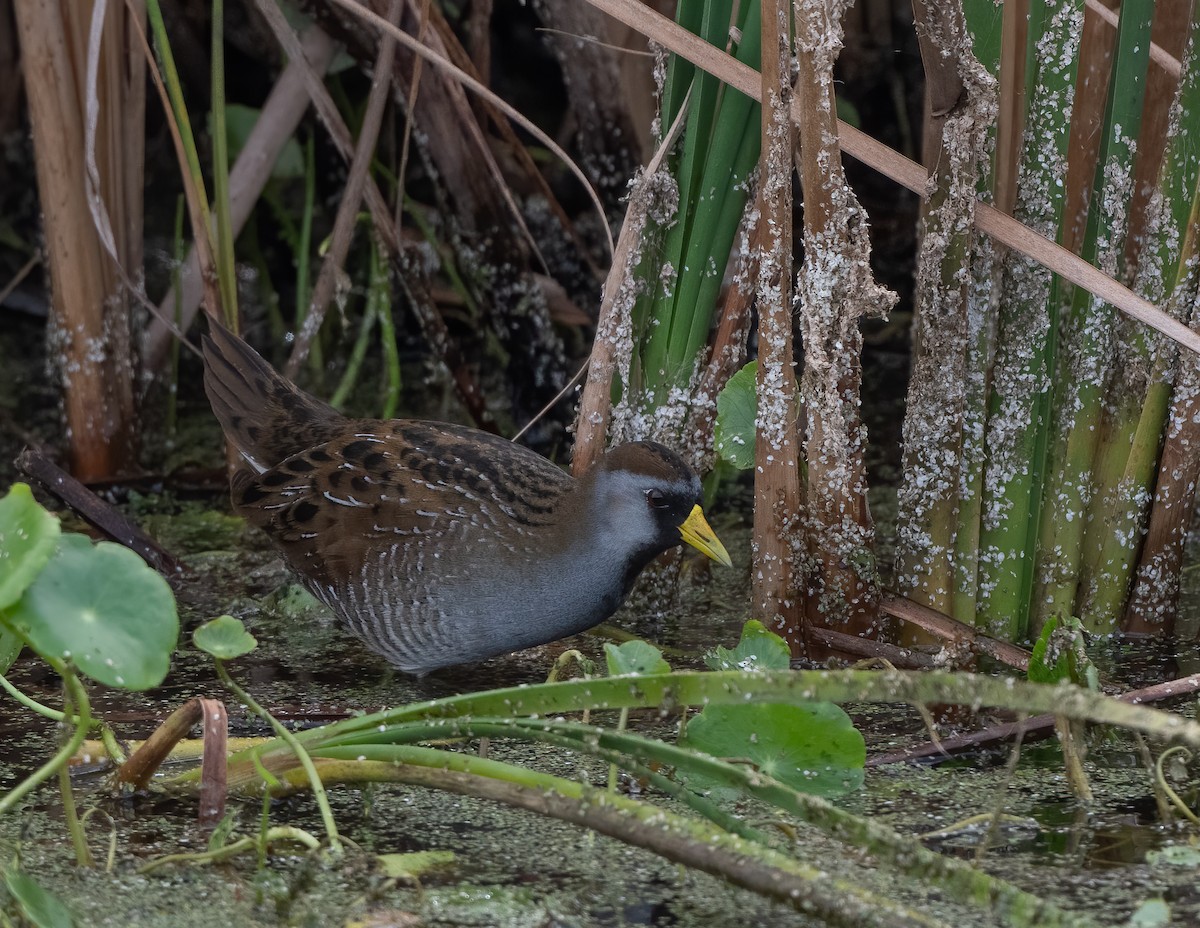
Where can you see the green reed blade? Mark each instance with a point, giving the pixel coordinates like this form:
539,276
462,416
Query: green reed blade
1018,407
1090,330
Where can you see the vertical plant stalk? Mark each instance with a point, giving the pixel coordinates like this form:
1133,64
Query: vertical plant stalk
352,195
91,308
834,290
1019,403
654,195
1154,601
223,234
961,106
777,578
1139,392
170,92
997,38
1088,351
277,122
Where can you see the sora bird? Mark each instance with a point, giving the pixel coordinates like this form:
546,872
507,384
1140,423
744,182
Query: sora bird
439,544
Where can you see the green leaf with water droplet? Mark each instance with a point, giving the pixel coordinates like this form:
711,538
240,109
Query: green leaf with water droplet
737,410
224,638
38,906
759,649
635,657
814,748
104,610
28,534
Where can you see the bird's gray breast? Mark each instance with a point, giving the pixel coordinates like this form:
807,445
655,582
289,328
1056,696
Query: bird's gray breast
470,580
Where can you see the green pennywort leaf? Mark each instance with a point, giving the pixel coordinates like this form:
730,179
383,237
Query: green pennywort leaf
28,534
634,657
758,649
224,638
814,748
104,610
737,409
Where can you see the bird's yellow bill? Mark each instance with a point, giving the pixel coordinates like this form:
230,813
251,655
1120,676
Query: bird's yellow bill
697,533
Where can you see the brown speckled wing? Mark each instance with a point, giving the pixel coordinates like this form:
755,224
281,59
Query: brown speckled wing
265,416
380,489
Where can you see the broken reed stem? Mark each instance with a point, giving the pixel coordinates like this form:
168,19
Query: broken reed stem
961,103
91,308
651,193
834,291
777,581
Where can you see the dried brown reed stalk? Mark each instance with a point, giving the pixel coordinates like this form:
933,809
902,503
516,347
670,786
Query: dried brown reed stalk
89,297
835,291
777,586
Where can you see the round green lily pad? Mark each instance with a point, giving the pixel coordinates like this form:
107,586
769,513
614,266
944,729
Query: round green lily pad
635,657
224,638
814,748
104,610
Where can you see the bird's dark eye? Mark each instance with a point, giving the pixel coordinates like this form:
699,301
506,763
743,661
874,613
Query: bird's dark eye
656,500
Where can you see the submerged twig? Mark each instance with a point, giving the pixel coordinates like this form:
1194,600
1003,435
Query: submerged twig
95,511
1039,725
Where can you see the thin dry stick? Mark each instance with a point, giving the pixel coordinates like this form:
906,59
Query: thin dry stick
1038,724
19,276
908,174
411,107
347,214
1159,55
432,325
275,126
471,84
954,631
328,113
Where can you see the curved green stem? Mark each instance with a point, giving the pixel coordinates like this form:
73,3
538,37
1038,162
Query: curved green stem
314,779
279,833
75,694
1166,787
83,722
106,733
29,702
